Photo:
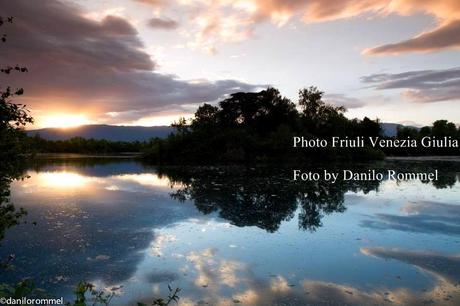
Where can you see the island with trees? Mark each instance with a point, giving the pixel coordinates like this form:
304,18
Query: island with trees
249,127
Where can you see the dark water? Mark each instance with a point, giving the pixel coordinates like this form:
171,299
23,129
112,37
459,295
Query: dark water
239,236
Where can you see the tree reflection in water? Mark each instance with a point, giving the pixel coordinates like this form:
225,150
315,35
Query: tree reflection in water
264,197
260,197
10,170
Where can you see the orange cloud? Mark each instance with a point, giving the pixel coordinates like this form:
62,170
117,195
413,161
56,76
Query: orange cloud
153,2
446,36
213,23
320,10
222,21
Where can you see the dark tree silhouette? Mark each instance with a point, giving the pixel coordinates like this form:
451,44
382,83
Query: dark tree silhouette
439,130
13,117
251,127
443,128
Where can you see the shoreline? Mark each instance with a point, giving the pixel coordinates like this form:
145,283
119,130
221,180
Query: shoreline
131,155
127,155
424,158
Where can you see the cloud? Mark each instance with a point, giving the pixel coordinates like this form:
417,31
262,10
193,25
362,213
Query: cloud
446,36
442,266
222,21
211,25
156,277
76,63
343,100
319,10
219,281
422,86
432,208
421,217
163,23
157,3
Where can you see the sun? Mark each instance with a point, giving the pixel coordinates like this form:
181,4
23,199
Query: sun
64,121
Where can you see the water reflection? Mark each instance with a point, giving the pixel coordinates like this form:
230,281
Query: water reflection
421,217
260,197
266,197
89,226
215,275
232,235
61,180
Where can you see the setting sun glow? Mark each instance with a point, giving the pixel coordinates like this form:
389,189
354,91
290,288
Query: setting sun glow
62,180
64,121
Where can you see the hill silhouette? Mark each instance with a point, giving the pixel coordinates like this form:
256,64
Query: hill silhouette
106,132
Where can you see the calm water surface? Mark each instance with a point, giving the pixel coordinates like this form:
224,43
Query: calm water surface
238,236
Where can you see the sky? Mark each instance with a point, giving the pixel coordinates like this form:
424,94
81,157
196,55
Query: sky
148,62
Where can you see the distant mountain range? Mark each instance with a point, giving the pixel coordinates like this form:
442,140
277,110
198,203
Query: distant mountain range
101,131
391,129
133,133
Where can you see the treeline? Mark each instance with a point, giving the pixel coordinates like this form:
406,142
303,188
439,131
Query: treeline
36,144
441,130
259,127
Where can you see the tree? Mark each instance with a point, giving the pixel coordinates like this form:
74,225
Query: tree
443,128
370,127
13,116
181,125
261,112
310,100
258,127
407,132
320,118
205,116
425,131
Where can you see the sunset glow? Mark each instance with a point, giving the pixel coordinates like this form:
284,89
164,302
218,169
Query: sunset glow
146,62
63,121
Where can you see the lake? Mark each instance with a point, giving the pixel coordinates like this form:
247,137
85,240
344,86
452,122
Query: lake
238,236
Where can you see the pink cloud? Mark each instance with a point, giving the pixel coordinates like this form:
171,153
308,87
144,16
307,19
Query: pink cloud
222,21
